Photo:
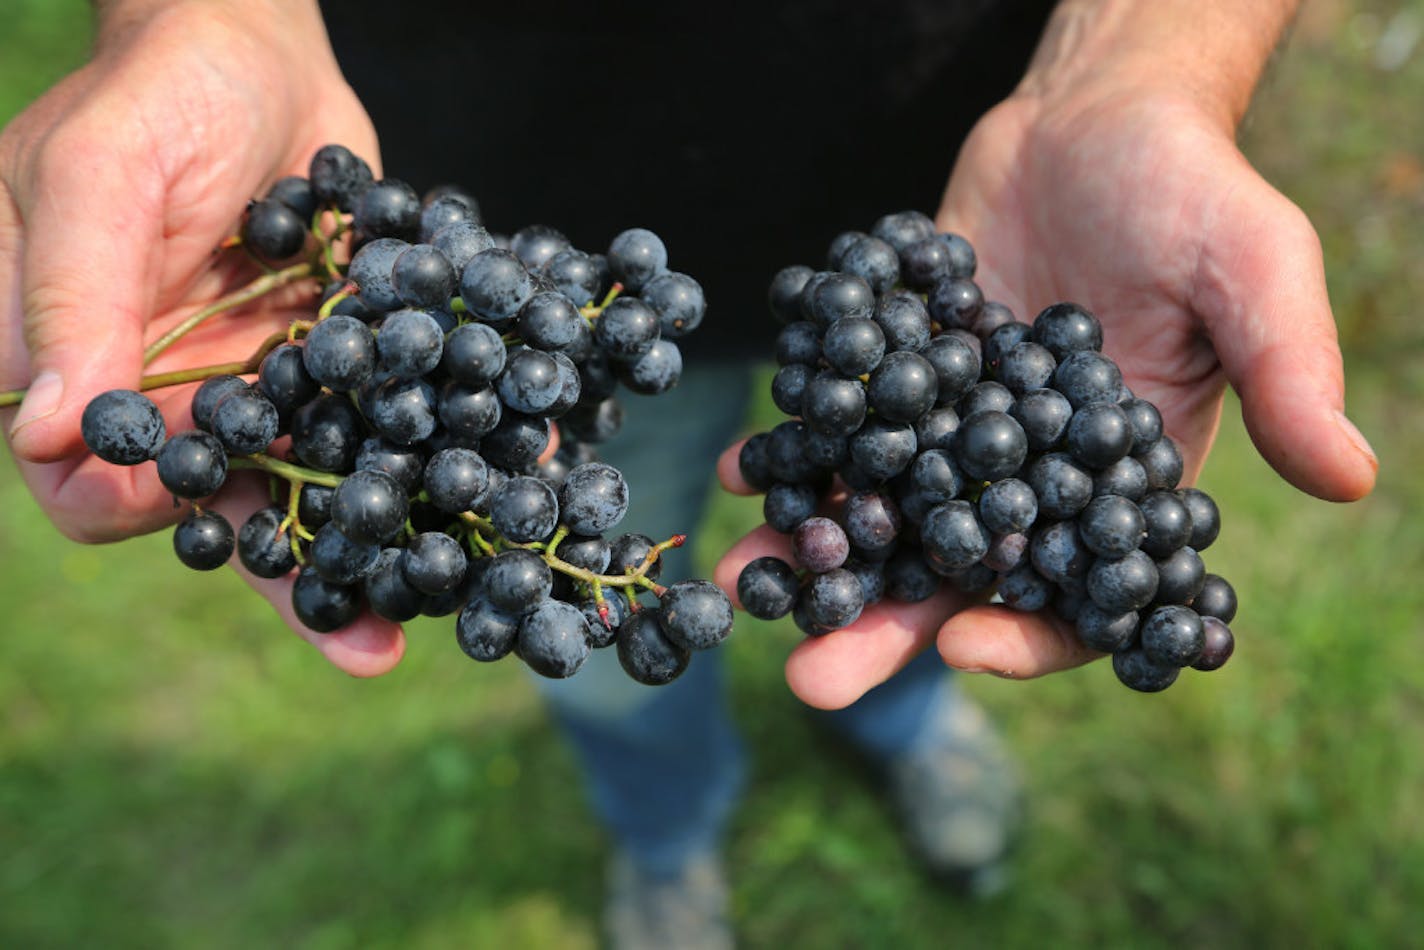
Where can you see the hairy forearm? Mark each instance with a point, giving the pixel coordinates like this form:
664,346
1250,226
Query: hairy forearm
1213,51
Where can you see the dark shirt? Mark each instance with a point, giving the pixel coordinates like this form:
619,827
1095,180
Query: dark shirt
746,135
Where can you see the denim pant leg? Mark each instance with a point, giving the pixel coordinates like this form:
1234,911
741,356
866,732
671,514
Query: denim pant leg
664,765
890,720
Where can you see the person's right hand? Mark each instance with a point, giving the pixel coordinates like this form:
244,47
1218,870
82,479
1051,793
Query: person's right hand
115,188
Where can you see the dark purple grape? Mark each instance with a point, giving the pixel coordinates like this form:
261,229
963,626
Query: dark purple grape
908,578
272,230
434,562
831,405
1217,645
1169,523
264,546
1058,552
626,329
524,509
495,284
1180,576
1003,339
904,321
1104,631
573,274
767,588
679,302
530,383
410,343
204,540
516,442
388,208
1006,552
474,354
1008,506
192,464
853,345
1062,486
403,410
645,652
1216,599
1023,588
924,262
990,445
1087,376
903,387
695,614
953,535
991,316
372,270
122,427
339,559
593,498
1026,367
834,599
784,295
1123,584
799,342
1136,670
1066,328
954,302
872,523
937,475
536,244
322,605
486,632
340,353
456,479
1162,462
590,553
314,505
1099,434
986,396
338,176
1125,477
788,387
752,462
882,449
1206,517
873,261
655,372
819,545
388,593
1112,526
423,277
635,257
295,191
840,295
1173,635
553,639
1146,423
245,422
935,429
903,228
786,505
469,413
517,579
213,389
445,211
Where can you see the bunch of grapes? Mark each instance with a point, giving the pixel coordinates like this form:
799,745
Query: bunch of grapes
415,409
975,449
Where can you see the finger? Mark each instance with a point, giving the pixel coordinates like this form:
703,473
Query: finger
92,228
369,646
833,671
1010,643
1263,297
729,471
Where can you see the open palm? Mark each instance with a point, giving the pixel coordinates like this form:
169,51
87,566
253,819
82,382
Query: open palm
1142,210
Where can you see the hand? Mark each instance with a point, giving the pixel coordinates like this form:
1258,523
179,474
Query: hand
1139,207
117,186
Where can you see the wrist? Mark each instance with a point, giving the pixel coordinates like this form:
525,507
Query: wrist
1208,54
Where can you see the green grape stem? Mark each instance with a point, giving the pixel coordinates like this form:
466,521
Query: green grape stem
244,295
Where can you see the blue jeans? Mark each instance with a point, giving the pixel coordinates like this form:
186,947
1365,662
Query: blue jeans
664,764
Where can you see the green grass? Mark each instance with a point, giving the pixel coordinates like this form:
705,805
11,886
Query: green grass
177,770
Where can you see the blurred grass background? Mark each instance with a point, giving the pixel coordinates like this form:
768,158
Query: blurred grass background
176,770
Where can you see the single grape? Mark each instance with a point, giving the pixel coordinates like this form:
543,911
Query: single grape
819,544
1136,670
536,244
456,479
679,302
388,208
192,464
645,652
340,559
990,445
203,541
1216,599
387,591
410,343
340,353
767,588
1065,328
122,427
553,639
1112,526
834,599
517,579
1121,584
695,614
372,270
272,230
264,546
245,421
524,509
485,632
635,257
1173,636
322,605
211,391
1217,645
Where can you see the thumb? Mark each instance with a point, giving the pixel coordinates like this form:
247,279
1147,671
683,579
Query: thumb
1261,291
90,229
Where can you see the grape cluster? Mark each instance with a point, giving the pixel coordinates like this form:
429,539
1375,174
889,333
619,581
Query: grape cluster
975,449
413,412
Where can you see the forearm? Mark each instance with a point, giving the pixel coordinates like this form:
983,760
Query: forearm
1212,51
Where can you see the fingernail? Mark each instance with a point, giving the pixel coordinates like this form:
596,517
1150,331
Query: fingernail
41,400
1356,438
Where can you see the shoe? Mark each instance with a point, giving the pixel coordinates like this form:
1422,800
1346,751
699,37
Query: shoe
685,911
959,798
